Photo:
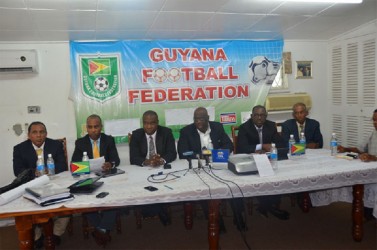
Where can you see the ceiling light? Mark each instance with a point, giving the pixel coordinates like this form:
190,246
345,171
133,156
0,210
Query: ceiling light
325,1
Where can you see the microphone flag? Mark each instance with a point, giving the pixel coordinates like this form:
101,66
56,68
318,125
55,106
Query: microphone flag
78,168
298,149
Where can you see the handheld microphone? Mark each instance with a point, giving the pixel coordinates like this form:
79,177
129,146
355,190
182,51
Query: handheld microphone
188,155
206,153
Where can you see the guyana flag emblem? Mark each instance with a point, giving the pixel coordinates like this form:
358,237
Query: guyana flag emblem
78,168
298,149
100,78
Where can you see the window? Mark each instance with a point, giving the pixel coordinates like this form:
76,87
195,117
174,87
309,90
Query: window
280,82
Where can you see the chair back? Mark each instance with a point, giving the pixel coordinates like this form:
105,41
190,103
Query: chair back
235,137
129,138
64,144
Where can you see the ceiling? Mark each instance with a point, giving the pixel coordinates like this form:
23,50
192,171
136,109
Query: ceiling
64,20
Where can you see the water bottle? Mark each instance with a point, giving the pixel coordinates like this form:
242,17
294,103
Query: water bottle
302,138
290,143
85,156
40,166
50,165
333,144
274,157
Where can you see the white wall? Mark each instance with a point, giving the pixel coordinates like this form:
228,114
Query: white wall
50,90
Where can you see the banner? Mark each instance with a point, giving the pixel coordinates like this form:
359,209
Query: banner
120,80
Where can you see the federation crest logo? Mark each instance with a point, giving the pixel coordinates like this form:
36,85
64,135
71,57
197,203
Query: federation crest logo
100,79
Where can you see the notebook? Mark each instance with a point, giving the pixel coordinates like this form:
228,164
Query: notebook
114,171
80,168
87,185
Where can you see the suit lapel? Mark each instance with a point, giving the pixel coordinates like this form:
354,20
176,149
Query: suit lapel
158,141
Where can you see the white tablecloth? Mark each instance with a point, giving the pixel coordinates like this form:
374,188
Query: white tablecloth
317,170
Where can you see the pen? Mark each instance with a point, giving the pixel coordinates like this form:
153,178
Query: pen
168,187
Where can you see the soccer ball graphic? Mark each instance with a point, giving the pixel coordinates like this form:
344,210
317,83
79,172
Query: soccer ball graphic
160,75
101,84
174,74
261,68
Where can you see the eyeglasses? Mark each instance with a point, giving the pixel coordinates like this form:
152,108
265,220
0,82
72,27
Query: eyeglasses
259,115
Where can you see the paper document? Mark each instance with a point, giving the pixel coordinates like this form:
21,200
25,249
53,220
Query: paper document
263,165
18,191
96,164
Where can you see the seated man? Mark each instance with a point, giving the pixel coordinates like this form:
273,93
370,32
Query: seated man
98,144
25,157
256,136
203,133
153,145
367,152
301,123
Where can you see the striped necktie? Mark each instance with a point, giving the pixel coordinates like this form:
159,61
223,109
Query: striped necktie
95,150
151,147
301,129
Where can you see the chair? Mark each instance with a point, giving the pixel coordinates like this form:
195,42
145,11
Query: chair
86,228
137,209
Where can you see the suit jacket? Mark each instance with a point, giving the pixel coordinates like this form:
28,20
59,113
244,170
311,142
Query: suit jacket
24,156
165,145
248,136
311,130
189,139
107,149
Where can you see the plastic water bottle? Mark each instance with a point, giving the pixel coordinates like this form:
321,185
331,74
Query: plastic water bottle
333,144
40,166
274,157
302,138
291,142
50,165
85,156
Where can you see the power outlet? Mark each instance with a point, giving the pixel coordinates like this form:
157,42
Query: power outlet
33,109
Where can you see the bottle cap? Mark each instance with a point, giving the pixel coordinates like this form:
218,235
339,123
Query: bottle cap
291,135
39,156
273,145
49,155
85,153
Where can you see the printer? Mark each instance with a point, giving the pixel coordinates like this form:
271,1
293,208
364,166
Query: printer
242,164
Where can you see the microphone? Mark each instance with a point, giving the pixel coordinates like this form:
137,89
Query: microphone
206,153
189,155
200,165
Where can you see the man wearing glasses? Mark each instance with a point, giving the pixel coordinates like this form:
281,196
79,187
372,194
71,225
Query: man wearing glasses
256,136
203,134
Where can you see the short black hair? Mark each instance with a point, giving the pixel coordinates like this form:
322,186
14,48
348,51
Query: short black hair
150,112
94,116
259,107
36,123
375,111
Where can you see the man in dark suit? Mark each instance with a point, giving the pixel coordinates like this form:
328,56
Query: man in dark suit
98,144
203,134
153,145
256,136
25,157
163,149
301,123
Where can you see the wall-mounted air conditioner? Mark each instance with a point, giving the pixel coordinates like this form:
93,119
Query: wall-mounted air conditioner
284,102
18,61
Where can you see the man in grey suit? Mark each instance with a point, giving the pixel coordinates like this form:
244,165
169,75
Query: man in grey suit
301,123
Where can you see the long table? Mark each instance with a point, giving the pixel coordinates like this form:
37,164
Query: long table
316,170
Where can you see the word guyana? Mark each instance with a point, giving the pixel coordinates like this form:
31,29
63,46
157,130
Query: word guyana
161,75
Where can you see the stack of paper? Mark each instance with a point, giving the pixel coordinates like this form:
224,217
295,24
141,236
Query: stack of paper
48,194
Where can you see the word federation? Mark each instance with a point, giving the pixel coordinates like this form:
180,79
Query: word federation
160,95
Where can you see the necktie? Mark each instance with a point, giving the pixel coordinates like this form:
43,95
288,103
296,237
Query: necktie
95,150
39,151
301,129
260,135
151,147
